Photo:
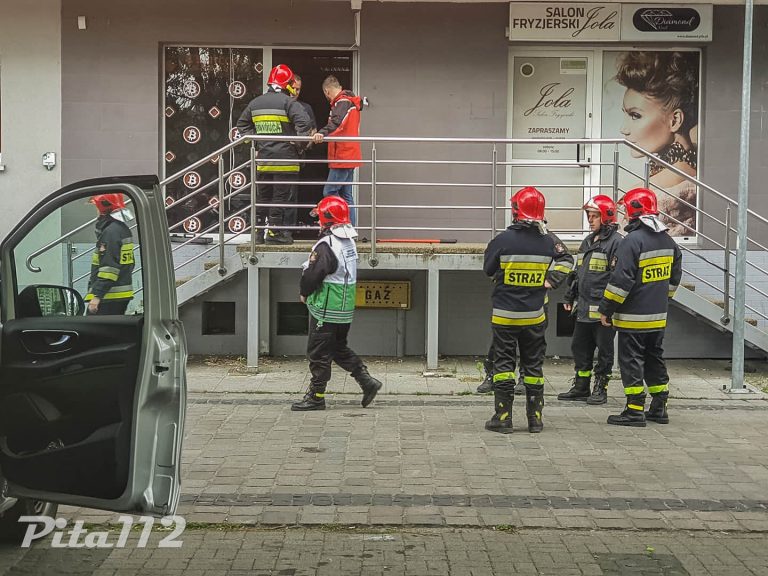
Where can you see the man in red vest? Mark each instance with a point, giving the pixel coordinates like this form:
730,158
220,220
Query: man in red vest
343,157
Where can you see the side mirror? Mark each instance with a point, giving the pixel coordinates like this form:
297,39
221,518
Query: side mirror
46,300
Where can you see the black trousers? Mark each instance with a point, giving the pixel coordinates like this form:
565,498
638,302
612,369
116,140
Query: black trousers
533,346
586,337
274,188
641,358
328,343
111,308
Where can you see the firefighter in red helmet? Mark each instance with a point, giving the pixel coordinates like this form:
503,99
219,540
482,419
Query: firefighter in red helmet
585,290
524,261
274,113
110,286
647,269
327,287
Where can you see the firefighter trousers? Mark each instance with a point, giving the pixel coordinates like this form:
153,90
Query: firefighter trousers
328,343
588,336
275,188
641,361
533,347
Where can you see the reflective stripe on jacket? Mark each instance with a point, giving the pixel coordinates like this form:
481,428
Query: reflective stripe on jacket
647,272
275,113
593,271
520,259
112,261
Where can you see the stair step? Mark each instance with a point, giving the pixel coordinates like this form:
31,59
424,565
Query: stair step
689,286
180,281
721,304
209,265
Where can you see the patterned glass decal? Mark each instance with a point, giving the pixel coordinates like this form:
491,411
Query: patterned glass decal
206,89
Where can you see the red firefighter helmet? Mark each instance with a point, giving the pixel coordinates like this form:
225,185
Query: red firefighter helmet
639,202
528,204
106,203
605,206
331,210
281,76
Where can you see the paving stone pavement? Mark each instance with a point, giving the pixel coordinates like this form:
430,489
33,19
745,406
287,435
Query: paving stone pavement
414,484
425,459
415,552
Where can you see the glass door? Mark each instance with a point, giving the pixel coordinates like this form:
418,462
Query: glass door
551,98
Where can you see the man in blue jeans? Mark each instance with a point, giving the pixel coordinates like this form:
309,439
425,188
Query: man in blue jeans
343,157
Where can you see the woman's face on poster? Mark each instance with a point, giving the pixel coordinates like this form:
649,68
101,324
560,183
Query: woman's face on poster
646,123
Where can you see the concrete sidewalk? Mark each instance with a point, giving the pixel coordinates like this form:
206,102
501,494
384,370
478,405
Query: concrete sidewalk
420,456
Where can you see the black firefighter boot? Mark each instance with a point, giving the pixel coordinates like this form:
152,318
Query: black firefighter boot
369,385
487,385
534,406
657,412
633,414
501,421
579,389
313,400
600,390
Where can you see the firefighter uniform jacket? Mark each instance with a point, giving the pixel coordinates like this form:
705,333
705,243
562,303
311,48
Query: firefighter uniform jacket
647,271
329,277
112,262
519,260
275,113
587,284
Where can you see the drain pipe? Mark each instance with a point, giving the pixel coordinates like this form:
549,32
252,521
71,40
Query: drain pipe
739,300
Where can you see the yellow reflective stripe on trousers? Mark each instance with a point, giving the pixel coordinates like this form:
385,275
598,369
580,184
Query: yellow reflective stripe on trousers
534,380
584,373
658,388
634,390
501,376
635,407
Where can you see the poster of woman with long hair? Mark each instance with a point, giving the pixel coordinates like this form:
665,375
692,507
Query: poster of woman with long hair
651,98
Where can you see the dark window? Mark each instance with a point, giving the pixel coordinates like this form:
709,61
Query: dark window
218,318
565,321
292,319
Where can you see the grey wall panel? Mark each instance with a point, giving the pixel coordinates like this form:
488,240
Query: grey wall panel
192,316
721,116
30,94
373,331
111,71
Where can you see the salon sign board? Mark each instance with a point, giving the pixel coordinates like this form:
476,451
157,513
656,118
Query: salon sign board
576,22
666,23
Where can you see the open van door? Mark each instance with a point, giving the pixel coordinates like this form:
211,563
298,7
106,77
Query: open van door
91,405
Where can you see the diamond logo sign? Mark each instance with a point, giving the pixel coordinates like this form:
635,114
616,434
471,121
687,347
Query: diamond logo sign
214,112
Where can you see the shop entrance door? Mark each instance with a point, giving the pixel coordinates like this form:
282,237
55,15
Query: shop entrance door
313,66
551,98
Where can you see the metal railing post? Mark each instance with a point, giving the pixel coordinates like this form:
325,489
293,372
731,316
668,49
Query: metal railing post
70,264
647,174
616,173
254,231
726,319
373,261
222,269
740,293
494,184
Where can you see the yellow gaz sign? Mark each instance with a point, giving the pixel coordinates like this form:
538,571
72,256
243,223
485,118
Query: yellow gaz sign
384,294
